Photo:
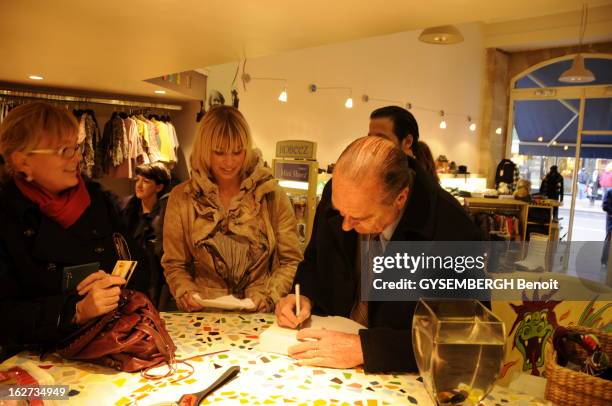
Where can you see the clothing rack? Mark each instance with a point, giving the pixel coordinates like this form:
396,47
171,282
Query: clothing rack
94,100
500,206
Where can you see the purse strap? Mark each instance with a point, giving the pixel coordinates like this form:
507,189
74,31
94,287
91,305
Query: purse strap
145,373
164,344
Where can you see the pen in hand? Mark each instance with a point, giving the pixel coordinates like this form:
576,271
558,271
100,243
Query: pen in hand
297,303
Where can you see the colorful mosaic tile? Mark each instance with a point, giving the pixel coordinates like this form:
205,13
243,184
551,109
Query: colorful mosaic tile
264,379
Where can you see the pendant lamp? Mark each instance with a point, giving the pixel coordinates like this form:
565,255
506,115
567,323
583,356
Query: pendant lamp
577,73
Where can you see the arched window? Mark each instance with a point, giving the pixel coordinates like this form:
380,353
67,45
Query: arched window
563,124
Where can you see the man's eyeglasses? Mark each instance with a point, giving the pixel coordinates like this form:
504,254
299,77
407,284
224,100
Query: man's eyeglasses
64,152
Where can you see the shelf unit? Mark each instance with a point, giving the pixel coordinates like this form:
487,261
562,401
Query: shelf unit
551,225
515,207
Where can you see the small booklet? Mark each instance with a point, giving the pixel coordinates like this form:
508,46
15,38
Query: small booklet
73,275
228,302
278,339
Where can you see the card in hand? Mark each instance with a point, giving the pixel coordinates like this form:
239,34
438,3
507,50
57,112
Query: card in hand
73,275
124,269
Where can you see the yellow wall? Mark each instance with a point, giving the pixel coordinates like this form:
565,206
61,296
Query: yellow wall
396,67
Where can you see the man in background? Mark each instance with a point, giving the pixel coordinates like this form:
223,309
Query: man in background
397,125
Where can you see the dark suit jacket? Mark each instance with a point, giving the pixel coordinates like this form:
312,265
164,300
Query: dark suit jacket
328,276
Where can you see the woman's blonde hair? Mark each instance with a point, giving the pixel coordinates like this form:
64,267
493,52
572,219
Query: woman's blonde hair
26,125
223,129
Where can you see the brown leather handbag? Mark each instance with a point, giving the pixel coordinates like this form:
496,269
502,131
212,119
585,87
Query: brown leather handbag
131,338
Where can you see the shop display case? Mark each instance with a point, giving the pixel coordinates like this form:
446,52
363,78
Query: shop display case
470,182
296,168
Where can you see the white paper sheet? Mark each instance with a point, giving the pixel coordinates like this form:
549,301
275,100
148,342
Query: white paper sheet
228,302
278,339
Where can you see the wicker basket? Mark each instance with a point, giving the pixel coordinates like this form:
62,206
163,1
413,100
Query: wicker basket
570,388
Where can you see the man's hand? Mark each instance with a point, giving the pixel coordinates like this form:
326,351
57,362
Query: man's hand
331,349
285,311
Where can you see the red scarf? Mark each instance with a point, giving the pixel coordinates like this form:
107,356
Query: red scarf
65,208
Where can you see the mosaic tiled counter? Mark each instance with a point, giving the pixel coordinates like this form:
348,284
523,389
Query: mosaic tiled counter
265,379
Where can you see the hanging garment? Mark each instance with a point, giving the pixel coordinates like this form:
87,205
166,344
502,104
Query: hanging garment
113,145
89,135
167,141
507,172
175,141
154,143
552,186
127,167
498,226
143,137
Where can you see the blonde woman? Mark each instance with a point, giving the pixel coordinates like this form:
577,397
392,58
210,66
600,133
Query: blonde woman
230,229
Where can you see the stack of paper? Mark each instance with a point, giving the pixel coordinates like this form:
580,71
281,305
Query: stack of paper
278,339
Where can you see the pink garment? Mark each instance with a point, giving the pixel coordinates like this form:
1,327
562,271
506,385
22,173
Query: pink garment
605,179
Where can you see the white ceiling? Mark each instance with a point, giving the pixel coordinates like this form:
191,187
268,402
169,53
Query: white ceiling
112,46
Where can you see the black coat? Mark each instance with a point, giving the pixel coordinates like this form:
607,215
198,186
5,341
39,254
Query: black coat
552,186
146,229
143,227
327,275
607,207
34,249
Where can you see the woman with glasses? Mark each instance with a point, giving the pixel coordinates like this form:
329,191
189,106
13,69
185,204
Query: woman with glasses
230,229
51,219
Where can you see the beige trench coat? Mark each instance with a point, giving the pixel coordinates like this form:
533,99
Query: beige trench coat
260,218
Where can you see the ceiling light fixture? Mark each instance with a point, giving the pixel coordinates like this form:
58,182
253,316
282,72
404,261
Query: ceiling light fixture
498,130
472,126
282,97
366,98
349,101
160,91
35,77
577,73
442,35
443,121
565,148
540,139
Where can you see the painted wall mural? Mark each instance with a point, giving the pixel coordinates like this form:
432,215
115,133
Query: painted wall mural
531,322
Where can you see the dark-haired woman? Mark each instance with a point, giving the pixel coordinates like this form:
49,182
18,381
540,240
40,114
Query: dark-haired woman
142,214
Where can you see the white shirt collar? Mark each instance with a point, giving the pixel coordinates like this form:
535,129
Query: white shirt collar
387,233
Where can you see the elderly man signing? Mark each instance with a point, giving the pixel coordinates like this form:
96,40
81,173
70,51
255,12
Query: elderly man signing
378,195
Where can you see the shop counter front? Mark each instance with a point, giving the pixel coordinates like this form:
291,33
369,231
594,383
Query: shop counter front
264,378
